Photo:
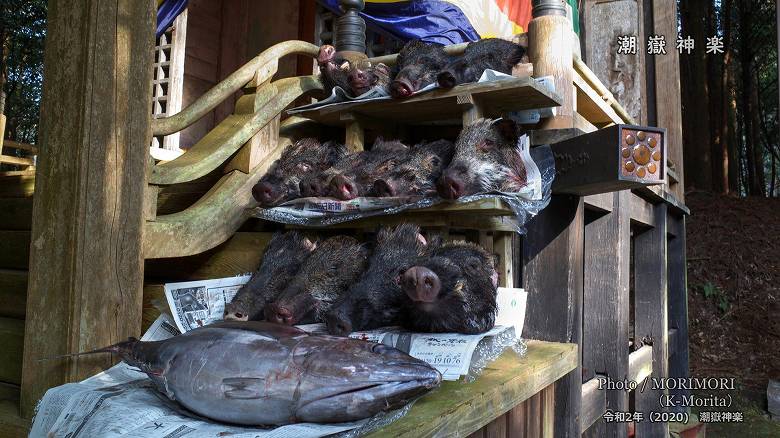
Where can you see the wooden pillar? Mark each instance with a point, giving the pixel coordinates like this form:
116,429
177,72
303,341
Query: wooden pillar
678,304
351,30
550,50
650,321
553,276
606,306
668,104
2,118
86,266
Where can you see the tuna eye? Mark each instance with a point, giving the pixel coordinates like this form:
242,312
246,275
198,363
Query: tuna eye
379,349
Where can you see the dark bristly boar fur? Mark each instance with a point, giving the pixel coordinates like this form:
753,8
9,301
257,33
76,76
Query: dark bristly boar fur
333,71
417,65
326,274
376,299
452,290
282,181
351,183
282,259
492,53
485,159
416,175
366,76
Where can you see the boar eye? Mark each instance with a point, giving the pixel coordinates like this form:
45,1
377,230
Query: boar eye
303,167
485,145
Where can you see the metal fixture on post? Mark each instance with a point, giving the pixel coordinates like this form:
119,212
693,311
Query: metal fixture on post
350,38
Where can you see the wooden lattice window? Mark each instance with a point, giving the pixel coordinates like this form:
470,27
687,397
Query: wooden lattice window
169,78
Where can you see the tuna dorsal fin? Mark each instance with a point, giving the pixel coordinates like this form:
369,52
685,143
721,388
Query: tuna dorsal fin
243,387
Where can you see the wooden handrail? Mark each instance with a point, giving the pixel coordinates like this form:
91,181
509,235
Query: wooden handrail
228,86
210,221
224,140
18,145
591,79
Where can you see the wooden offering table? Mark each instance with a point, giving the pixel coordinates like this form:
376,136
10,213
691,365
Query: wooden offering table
513,397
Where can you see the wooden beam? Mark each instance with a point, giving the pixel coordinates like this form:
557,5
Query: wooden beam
667,87
459,409
640,364
17,186
606,304
86,267
641,211
678,302
619,157
7,159
19,145
594,403
552,258
650,308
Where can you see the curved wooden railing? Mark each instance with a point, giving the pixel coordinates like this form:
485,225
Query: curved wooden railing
219,213
259,69
225,139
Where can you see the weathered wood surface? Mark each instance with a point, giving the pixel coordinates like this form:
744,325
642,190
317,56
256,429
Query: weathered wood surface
592,107
651,317
606,306
443,105
594,404
667,87
12,340
553,277
211,220
458,409
13,293
7,159
19,145
622,75
678,301
225,139
472,220
86,270
640,364
593,163
211,99
550,51
16,214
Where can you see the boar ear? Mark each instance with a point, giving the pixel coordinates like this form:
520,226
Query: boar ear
507,128
421,239
309,245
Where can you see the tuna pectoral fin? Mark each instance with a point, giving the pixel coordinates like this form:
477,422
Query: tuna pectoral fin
243,387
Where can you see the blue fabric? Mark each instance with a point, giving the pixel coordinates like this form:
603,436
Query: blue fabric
167,12
432,21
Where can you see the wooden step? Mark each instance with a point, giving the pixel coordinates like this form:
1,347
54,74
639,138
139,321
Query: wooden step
13,293
14,249
17,185
16,214
12,340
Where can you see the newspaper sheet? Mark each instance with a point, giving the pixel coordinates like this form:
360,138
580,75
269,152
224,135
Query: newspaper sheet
121,402
198,303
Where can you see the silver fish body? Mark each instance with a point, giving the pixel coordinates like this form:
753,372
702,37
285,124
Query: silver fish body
259,373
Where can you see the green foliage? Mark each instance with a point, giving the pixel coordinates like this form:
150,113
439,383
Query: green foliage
22,32
714,293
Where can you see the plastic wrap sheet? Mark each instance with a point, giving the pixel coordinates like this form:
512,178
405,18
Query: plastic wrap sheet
490,348
525,205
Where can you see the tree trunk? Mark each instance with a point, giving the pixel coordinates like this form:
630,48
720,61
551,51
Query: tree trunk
715,79
732,133
696,123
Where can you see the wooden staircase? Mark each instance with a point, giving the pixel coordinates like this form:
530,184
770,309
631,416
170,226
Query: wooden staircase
16,192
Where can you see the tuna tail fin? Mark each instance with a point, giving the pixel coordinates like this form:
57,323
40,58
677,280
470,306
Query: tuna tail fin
120,348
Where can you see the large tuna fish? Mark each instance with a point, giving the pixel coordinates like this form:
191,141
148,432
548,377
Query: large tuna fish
260,373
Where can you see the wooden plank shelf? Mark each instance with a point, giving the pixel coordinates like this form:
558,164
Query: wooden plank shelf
442,106
458,409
